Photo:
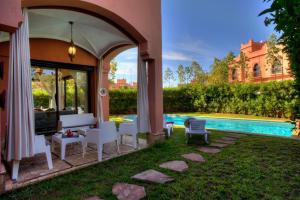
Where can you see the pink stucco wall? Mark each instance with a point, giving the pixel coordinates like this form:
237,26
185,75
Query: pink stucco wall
10,15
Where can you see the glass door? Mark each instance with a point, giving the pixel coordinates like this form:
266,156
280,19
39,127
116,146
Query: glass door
44,98
58,91
73,88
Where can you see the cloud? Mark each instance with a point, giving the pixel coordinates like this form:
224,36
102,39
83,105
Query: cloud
177,56
127,68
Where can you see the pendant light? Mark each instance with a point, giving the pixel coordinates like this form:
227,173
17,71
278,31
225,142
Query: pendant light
72,48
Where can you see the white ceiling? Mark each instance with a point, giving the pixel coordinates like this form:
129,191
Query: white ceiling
89,32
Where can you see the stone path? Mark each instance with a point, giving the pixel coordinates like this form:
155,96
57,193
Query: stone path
152,176
93,198
224,141
175,165
211,150
194,157
219,145
229,138
125,191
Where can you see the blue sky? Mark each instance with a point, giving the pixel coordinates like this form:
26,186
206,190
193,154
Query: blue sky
201,30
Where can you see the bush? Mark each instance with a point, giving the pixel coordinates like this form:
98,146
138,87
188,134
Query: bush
273,99
123,101
41,98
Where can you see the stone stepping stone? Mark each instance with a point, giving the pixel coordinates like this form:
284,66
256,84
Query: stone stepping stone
93,198
225,141
219,145
194,157
229,138
176,165
209,150
152,176
125,191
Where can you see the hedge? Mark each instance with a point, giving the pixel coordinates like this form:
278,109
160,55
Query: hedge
123,101
273,99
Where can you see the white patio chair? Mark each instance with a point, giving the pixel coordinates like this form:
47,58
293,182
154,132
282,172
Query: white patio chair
40,146
129,128
169,127
107,133
196,127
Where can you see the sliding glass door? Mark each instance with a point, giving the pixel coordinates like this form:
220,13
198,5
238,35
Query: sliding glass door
44,98
58,91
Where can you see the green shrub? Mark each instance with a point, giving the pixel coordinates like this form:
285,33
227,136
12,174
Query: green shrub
41,98
273,99
123,101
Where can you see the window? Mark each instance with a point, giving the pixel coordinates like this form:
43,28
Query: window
57,91
256,70
234,74
276,67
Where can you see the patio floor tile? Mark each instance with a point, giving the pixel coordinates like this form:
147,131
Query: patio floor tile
175,165
152,176
219,145
37,166
224,141
209,150
194,157
125,191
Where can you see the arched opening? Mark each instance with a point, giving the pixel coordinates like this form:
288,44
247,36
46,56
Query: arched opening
256,70
276,67
234,74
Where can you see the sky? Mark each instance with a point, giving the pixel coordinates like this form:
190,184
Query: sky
199,30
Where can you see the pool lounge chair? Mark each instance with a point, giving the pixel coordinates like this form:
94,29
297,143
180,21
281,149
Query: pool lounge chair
168,126
196,127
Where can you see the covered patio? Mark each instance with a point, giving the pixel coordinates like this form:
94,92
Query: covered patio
73,82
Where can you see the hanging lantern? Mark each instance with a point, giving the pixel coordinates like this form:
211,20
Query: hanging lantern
72,48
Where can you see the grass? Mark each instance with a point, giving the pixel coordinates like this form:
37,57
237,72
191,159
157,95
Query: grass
255,167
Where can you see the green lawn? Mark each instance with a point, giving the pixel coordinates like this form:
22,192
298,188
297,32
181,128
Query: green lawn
256,167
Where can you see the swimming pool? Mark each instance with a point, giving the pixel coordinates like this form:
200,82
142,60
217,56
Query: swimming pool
247,126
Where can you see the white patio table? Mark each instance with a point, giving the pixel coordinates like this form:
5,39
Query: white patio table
64,141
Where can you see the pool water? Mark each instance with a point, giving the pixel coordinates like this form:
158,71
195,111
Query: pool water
247,126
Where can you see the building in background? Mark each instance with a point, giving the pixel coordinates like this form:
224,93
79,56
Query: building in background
257,69
122,83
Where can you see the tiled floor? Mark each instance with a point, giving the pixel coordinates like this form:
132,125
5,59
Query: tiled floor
36,169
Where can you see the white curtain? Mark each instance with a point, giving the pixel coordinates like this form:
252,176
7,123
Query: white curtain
99,97
19,97
142,98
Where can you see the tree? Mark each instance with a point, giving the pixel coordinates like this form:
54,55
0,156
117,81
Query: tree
285,15
188,72
243,65
112,71
219,69
274,58
169,76
181,74
198,75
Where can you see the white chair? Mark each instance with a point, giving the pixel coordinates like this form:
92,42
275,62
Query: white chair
40,146
196,127
129,128
169,127
107,133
